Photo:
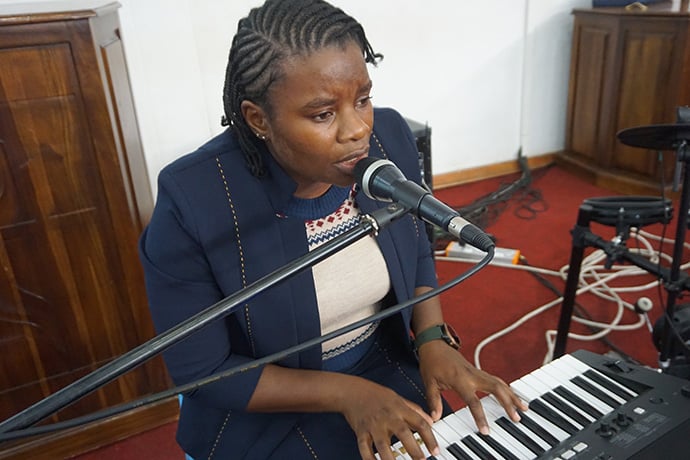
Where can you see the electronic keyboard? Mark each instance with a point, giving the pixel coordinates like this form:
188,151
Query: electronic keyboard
581,406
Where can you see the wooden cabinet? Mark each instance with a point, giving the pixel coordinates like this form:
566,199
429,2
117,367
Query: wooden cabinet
628,68
74,197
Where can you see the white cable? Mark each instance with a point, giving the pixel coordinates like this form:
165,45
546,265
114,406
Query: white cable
543,271
529,316
594,279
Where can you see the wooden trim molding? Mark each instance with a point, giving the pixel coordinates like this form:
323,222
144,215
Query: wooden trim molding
465,176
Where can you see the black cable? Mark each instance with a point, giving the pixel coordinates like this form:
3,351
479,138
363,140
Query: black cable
493,204
530,203
486,209
109,412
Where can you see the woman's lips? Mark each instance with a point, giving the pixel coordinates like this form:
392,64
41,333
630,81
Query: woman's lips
348,164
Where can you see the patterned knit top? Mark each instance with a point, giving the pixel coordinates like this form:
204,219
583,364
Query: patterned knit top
350,283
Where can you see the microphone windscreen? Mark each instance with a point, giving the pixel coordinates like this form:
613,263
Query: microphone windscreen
361,168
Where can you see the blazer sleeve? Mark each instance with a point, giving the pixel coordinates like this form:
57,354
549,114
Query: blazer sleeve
180,284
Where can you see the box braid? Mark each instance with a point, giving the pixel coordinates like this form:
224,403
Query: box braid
268,35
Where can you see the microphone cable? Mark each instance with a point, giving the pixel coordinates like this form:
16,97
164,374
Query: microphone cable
156,397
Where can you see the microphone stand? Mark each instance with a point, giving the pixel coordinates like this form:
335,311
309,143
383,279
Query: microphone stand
369,225
165,394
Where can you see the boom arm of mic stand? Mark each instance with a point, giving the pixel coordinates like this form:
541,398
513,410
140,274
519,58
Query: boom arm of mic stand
369,225
165,394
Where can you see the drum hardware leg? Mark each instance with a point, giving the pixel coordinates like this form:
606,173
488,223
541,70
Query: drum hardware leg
674,285
673,351
579,233
616,251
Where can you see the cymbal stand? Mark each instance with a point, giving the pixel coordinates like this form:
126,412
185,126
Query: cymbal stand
672,286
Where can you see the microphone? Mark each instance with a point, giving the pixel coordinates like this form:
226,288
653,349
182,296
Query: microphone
381,180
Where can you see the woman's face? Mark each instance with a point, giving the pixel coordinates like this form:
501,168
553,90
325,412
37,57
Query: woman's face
321,118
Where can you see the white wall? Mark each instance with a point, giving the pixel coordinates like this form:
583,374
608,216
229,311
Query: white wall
488,76
456,65
548,34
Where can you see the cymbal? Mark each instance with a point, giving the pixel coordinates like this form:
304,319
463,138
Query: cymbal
657,137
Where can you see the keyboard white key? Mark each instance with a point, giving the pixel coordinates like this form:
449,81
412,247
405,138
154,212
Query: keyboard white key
495,410
581,367
463,423
566,396
449,436
553,383
579,392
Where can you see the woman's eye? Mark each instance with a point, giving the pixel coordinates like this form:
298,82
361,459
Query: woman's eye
323,116
364,101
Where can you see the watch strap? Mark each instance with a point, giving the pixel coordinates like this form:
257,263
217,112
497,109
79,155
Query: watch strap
437,332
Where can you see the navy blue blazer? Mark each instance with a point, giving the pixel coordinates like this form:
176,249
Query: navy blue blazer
215,229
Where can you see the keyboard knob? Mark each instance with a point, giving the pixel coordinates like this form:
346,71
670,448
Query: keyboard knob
622,420
605,430
685,391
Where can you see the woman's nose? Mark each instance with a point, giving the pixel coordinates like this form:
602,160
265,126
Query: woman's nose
354,125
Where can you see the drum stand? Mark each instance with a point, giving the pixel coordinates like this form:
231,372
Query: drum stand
674,357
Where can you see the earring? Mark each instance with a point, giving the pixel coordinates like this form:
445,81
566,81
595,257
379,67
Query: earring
261,136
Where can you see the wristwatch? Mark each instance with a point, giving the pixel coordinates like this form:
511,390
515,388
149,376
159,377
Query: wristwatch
439,332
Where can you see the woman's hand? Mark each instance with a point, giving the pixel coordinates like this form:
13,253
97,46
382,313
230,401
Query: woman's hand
444,368
377,413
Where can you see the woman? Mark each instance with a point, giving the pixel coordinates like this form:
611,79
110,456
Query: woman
276,184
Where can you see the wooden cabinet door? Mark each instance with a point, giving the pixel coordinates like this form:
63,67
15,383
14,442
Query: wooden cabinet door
650,64
71,286
627,70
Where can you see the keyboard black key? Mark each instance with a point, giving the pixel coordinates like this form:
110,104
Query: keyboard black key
606,383
594,391
545,411
568,410
518,434
579,402
477,448
495,445
458,452
537,429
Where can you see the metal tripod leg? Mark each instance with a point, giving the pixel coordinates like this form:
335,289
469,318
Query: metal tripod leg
576,255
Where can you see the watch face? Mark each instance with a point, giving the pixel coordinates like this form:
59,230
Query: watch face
450,336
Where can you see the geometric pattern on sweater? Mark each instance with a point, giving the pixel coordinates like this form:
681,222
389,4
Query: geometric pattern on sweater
350,284
340,221
351,344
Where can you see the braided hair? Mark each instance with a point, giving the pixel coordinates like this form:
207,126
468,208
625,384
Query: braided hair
269,34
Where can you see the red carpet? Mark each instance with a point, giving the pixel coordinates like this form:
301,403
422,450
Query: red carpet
496,297
538,224
156,444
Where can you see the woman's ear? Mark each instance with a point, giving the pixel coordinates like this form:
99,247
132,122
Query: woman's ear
255,118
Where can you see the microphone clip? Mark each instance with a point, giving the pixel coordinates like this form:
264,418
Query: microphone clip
384,216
